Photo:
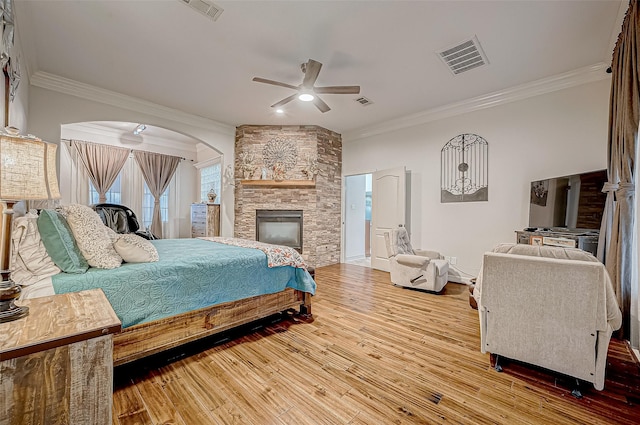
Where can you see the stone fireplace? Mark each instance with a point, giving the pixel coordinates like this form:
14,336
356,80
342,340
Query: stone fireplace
318,199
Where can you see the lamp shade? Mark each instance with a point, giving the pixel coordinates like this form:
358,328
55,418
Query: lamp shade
27,169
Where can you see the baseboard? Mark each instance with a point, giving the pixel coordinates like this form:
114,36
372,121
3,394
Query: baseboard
456,276
354,258
463,280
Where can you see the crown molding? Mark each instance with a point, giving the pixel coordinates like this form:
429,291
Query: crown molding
208,163
562,81
70,87
90,128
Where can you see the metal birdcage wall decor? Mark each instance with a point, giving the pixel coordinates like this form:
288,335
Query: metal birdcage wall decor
464,173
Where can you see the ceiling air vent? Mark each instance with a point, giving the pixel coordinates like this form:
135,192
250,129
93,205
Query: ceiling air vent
363,101
206,8
464,56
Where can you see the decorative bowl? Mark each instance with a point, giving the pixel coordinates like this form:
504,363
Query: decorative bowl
12,130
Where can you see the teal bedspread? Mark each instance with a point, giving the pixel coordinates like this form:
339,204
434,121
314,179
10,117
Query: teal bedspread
191,274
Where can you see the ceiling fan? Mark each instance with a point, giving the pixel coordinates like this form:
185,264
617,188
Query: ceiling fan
307,92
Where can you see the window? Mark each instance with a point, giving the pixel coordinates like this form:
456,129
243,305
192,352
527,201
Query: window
210,178
114,194
147,206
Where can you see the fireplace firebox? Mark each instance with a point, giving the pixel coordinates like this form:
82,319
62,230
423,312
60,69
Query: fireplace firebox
280,227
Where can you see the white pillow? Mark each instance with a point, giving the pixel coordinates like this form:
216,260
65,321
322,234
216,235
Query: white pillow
92,236
29,259
135,249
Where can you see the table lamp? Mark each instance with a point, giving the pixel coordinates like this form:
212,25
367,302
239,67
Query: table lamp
27,172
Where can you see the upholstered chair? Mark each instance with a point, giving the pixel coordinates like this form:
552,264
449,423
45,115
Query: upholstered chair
548,306
414,268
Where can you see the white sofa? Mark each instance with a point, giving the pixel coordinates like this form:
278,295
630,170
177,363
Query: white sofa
414,268
548,306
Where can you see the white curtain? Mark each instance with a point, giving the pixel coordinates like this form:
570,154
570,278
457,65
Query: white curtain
132,187
74,181
171,228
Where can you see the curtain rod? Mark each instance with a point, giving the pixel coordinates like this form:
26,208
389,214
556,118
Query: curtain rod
131,150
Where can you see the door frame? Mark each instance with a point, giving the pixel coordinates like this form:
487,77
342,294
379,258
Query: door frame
343,212
343,196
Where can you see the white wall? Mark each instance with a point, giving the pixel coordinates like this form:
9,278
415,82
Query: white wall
49,109
554,134
205,153
18,109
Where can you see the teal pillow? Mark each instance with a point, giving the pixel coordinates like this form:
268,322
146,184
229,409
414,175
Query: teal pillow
58,240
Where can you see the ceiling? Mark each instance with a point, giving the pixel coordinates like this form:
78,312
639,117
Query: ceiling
164,52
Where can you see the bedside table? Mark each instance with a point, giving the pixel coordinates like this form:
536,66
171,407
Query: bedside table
56,364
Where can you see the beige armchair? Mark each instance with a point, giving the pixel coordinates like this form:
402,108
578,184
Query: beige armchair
414,268
548,306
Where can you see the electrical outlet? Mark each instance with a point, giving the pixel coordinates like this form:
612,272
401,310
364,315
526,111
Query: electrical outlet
453,260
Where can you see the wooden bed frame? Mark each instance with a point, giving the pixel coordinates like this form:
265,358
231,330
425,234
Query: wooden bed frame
142,340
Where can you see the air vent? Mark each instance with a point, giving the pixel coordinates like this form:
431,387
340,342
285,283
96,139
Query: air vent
363,101
206,8
464,56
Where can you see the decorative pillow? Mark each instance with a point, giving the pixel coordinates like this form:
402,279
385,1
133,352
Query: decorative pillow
29,261
135,249
58,239
112,234
92,237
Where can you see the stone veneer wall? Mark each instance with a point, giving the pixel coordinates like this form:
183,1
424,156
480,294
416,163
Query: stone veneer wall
320,205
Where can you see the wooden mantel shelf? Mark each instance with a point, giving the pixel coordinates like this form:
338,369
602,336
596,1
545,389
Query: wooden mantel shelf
279,183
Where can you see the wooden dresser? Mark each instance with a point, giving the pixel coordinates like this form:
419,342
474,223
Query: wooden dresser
56,364
586,241
205,220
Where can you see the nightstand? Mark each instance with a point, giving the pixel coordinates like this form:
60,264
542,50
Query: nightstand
56,364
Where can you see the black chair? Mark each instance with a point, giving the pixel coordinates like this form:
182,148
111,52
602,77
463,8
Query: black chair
121,219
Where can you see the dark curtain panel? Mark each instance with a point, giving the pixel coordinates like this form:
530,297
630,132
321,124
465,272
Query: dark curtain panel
157,169
616,234
102,162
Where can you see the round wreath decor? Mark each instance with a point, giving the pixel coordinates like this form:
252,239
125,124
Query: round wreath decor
281,152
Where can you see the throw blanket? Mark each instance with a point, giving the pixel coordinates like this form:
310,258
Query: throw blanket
277,255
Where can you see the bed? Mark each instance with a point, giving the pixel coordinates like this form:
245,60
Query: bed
198,288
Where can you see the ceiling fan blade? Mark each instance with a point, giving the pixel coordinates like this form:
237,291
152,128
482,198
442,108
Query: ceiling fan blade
338,90
284,101
274,83
321,105
311,72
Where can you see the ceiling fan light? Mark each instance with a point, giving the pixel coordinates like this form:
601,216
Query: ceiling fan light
306,97
279,111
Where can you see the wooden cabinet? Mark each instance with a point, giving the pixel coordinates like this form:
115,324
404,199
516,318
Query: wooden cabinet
56,364
586,241
205,220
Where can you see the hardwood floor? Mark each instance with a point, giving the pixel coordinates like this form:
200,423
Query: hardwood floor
372,354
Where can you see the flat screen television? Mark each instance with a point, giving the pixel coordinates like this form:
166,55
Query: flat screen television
573,203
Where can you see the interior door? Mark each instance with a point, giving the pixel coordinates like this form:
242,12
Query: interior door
388,203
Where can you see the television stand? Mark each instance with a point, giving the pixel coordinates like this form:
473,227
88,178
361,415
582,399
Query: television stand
585,240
